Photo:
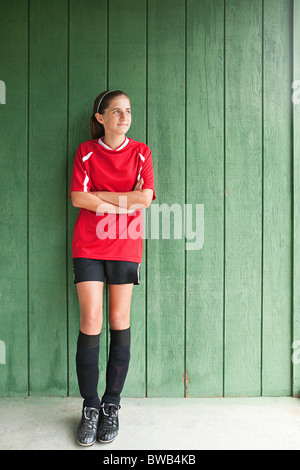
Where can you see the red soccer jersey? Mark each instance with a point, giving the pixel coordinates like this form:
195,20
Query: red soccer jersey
97,167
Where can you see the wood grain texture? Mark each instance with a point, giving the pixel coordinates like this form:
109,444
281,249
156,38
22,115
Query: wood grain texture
165,261
205,185
243,210
13,180
296,198
277,201
47,207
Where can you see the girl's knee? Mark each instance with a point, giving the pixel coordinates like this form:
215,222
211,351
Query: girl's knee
91,322
119,320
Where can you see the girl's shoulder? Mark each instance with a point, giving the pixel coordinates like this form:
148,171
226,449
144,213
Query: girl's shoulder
88,143
87,146
140,147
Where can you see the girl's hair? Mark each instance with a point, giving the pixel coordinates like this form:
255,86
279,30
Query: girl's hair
97,129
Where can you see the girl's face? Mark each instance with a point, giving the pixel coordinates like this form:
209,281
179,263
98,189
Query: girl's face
117,117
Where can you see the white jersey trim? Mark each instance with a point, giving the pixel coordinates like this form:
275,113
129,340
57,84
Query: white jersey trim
86,180
143,159
109,148
87,157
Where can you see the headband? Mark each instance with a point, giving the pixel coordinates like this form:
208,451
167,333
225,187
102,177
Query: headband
98,107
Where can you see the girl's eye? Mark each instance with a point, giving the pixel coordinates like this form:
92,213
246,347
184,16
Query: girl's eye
117,111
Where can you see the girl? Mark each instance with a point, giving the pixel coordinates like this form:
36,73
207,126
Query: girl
112,179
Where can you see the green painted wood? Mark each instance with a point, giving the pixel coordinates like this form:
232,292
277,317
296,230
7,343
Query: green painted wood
166,257
210,90
47,197
277,202
243,209
296,198
87,78
127,71
13,181
205,183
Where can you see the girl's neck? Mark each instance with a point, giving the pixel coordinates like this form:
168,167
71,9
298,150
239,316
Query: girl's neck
114,141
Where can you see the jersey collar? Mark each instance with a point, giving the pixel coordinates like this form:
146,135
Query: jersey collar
107,147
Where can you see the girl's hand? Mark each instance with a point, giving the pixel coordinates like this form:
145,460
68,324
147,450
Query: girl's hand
139,184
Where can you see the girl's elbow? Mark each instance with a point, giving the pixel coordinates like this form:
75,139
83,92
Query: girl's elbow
74,200
148,194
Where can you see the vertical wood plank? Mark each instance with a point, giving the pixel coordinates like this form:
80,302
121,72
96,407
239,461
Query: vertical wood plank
87,79
47,207
205,183
127,71
277,219
166,257
296,197
243,216
13,180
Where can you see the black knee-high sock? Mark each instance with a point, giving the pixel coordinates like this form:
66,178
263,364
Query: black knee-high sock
87,369
117,367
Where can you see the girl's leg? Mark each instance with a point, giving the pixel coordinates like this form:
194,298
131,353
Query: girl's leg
118,362
119,306
90,296
119,353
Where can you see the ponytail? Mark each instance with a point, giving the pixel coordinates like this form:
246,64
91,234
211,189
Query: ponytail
96,129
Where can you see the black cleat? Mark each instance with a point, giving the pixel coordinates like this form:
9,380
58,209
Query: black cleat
108,426
87,429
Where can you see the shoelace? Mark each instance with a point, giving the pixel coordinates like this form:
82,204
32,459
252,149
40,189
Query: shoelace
110,411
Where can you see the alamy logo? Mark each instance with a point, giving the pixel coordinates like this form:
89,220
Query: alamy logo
184,220
2,92
296,94
296,353
2,353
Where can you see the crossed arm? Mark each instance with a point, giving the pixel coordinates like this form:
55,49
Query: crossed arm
114,202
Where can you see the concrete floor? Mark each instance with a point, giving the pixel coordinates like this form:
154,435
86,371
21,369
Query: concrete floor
157,424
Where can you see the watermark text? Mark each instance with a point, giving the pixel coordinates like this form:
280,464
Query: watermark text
167,222
2,353
2,92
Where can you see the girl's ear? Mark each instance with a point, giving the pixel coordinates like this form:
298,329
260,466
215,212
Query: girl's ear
99,118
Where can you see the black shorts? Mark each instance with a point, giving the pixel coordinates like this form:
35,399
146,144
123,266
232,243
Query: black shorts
116,272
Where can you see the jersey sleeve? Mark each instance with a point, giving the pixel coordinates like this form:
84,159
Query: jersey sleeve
80,180
148,175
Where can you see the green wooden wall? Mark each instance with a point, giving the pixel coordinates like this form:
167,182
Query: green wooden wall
210,83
